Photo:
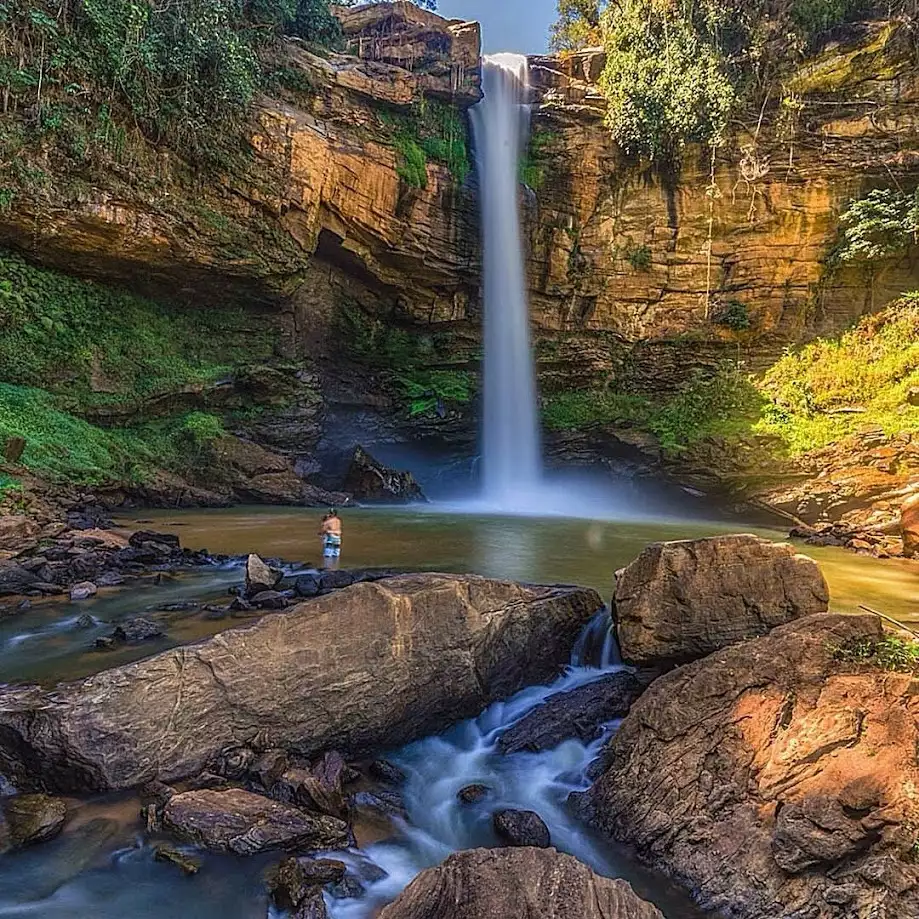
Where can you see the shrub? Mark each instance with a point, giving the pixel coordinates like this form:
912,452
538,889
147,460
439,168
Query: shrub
888,653
639,258
732,315
883,224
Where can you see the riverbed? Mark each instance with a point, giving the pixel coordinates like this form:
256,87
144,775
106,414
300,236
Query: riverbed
103,865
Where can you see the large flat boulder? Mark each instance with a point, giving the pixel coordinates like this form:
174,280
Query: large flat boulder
374,665
775,778
244,823
516,884
679,601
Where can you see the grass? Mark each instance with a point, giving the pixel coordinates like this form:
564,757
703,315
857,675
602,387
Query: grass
96,344
64,448
870,369
888,653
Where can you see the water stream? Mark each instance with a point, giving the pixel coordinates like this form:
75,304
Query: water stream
511,462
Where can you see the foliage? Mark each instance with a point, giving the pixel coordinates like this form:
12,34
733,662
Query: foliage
884,223
832,387
571,411
677,69
888,653
62,447
8,483
96,344
429,390
534,163
733,315
719,404
639,257
665,80
577,26
430,130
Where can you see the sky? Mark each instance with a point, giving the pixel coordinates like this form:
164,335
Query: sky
507,25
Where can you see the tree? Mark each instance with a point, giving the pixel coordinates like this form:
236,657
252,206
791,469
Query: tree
578,25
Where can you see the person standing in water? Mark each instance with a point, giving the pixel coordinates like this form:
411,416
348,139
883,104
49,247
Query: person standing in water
330,533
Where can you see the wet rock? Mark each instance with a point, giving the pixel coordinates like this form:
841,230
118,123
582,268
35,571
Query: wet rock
137,630
385,771
270,599
473,640
83,591
14,579
260,576
109,579
335,580
473,794
105,643
89,517
909,527
775,760
521,828
381,803
297,881
33,818
208,780
348,888
307,586
269,767
153,799
579,713
235,762
244,823
164,543
369,480
516,884
680,601
188,864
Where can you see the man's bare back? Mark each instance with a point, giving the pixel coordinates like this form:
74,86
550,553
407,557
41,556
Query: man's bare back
330,526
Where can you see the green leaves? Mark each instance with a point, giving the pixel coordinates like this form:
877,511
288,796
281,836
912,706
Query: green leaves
883,224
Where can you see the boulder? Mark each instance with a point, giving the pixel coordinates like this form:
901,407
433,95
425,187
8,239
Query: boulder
296,881
260,576
187,864
521,828
472,794
909,527
14,579
679,601
775,760
409,655
579,713
369,480
136,630
32,818
516,884
270,599
244,823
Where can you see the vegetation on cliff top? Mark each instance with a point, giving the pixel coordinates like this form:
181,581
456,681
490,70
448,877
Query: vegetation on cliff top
678,70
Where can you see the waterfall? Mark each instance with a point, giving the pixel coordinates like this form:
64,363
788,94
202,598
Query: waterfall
511,453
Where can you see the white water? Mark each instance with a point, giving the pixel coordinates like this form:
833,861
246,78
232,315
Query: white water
438,767
511,461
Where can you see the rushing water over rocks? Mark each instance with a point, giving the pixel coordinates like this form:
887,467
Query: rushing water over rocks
510,441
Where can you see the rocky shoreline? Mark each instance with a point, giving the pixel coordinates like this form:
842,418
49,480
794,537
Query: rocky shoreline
763,761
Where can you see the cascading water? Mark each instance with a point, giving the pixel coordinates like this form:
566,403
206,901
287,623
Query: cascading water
510,437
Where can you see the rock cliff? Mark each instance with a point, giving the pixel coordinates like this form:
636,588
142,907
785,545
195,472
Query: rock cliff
367,265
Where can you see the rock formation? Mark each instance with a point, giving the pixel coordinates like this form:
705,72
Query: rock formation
679,601
909,527
369,480
773,778
374,665
516,884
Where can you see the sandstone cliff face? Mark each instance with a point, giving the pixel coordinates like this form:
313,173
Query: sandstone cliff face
628,269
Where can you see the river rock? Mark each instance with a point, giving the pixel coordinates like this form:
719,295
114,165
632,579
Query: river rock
136,630
270,599
32,818
516,884
369,480
372,666
909,527
188,864
386,771
296,881
260,576
679,601
521,828
775,761
244,823
579,713
14,579
472,794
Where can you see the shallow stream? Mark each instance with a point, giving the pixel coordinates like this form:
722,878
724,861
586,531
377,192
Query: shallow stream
103,867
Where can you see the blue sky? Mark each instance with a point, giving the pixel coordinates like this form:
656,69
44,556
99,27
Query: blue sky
507,25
